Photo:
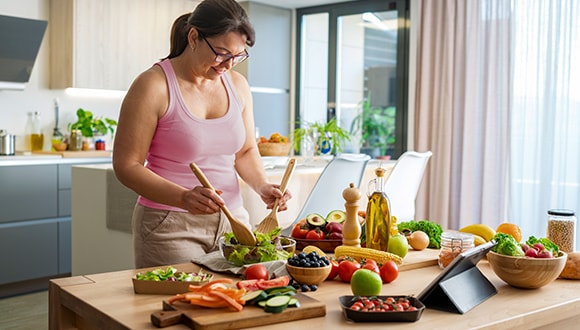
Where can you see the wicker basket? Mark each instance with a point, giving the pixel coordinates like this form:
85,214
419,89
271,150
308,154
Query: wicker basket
274,149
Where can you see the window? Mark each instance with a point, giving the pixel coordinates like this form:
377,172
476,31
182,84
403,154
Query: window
348,52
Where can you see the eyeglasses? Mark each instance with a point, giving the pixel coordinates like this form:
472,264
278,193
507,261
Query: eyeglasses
222,58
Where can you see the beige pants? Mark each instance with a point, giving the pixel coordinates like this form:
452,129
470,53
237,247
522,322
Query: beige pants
166,238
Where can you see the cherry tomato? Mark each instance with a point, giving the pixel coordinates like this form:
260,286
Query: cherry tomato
389,271
346,268
255,272
274,283
299,230
333,270
371,265
315,234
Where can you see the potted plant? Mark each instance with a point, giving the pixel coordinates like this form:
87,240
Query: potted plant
376,126
327,135
90,125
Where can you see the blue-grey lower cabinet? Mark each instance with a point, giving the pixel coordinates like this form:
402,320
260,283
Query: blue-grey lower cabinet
35,225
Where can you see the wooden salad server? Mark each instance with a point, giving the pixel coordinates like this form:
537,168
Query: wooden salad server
243,234
270,222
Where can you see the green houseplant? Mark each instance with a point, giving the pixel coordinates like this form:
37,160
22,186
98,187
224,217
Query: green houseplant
376,126
89,125
323,130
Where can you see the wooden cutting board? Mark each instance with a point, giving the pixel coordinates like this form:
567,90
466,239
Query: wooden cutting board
222,319
76,154
418,259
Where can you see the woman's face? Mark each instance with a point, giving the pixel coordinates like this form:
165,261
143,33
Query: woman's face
221,52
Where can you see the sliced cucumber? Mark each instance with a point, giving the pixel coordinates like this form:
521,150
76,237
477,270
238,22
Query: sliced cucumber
277,304
282,289
293,302
262,303
253,297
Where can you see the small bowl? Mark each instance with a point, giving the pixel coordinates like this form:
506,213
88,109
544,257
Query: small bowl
526,272
309,275
60,146
251,254
274,149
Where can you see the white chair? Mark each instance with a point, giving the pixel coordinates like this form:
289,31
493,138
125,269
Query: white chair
403,183
326,195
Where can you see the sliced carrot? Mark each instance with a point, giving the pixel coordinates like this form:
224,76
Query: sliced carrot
175,298
209,285
234,305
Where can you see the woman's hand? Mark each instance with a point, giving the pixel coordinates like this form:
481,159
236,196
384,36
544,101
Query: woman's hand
201,200
269,192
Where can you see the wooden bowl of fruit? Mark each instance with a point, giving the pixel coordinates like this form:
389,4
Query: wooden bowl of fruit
322,232
276,145
526,272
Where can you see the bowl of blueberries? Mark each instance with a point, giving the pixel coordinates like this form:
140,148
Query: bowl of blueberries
308,268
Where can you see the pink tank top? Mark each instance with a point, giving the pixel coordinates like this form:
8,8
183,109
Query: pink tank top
182,138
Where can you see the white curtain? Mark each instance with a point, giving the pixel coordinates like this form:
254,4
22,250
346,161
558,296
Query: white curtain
461,110
545,112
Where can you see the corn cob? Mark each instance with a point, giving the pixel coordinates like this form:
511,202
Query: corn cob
360,253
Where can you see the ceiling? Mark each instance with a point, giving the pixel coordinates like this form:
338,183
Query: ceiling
297,3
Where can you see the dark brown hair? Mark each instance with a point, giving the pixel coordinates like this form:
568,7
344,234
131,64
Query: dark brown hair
210,18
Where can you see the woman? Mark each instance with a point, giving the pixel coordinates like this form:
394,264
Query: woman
190,107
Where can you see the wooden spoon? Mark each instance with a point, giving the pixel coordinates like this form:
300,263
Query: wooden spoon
244,235
270,222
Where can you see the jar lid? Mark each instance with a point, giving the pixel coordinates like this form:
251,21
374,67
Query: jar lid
563,212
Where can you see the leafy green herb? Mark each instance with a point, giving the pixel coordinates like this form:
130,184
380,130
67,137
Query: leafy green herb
432,229
507,245
548,245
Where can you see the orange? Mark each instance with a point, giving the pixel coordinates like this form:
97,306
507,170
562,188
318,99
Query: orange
510,228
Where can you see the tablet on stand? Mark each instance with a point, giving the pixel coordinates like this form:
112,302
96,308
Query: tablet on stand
461,285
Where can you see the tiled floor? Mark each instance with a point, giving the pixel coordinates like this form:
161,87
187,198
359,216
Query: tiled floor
25,312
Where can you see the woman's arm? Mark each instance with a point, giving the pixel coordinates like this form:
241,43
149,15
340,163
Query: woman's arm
248,161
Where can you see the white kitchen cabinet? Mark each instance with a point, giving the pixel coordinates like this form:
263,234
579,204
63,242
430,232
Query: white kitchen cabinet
105,44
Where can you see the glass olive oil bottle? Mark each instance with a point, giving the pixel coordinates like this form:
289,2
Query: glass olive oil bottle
378,217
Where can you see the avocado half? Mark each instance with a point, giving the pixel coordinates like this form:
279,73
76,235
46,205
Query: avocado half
315,220
336,216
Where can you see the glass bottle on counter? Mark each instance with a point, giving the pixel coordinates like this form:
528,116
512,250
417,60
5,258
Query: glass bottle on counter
75,140
34,131
378,215
452,244
562,229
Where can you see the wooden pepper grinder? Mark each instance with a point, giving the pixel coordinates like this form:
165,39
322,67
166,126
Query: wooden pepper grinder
351,229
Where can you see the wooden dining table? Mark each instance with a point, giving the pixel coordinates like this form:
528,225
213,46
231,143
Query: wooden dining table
107,301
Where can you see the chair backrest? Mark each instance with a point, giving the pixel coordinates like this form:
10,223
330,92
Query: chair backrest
326,195
403,183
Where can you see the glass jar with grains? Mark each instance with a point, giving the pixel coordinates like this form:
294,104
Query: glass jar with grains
561,229
452,244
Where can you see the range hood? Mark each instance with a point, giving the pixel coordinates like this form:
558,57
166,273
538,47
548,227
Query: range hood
20,40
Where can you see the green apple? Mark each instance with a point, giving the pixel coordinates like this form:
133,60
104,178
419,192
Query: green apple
398,245
365,282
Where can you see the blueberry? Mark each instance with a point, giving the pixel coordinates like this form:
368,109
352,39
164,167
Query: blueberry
305,288
313,287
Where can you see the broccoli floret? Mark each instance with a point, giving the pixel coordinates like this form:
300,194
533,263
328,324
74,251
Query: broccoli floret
507,245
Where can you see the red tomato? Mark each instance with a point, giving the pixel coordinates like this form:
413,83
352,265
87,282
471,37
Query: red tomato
346,268
256,272
249,285
333,270
371,265
315,234
389,271
274,283
299,231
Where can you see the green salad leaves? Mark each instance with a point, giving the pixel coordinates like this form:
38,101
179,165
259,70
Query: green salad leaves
268,248
432,229
507,245
171,274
